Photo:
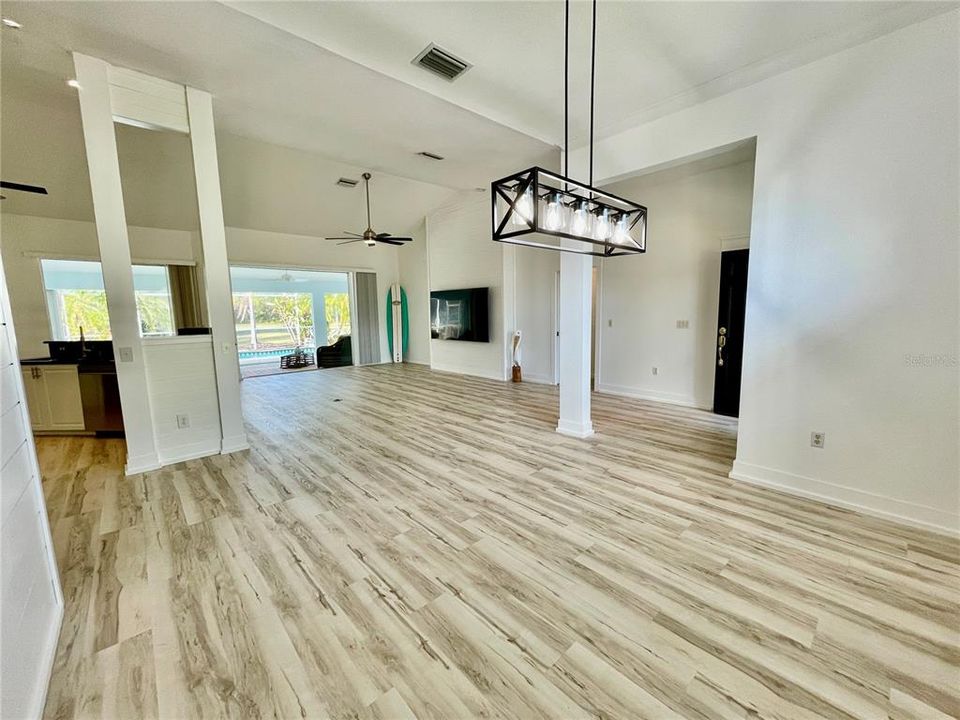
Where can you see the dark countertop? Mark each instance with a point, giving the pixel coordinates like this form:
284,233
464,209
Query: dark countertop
89,365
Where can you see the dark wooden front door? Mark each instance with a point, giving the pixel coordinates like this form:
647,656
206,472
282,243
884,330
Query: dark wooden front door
728,353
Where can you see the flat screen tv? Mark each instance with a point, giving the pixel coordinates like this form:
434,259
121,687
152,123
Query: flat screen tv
460,315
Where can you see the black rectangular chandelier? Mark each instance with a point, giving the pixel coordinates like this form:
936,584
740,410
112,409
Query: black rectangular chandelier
542,209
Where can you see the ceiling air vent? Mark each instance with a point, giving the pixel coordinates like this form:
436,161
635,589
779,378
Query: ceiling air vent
440,62
347,182
429,155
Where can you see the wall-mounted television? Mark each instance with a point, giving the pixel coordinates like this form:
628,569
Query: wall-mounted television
460,315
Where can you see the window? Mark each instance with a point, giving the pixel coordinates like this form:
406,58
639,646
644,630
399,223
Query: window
76,298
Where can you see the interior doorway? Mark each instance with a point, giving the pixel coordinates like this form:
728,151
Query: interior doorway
291,320
732,308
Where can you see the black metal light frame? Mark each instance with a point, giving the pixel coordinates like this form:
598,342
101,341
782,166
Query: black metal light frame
510,226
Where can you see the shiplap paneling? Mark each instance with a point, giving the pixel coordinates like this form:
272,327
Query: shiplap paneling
181,381
31,606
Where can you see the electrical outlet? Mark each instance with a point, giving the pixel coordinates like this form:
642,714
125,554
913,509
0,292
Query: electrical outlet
655,370
610,323
183,421
683,324
817,439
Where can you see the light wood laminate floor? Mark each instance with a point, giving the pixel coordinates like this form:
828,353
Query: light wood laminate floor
406,544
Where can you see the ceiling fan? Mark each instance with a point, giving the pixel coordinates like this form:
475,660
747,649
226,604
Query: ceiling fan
369,236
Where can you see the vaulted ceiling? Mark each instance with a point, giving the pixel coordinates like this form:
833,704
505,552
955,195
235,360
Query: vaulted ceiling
331,88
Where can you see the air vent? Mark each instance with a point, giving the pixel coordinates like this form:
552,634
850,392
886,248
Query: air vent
430,155
347,182
440,62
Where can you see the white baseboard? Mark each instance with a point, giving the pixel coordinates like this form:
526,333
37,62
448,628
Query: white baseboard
50,655
191,451
538,379
468,372
654,395
881,506
575,429
141,464
234,444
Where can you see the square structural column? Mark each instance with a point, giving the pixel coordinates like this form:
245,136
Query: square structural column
576,277
104,167
216,270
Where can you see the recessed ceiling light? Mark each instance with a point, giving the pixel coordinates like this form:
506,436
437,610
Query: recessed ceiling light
74,83
11,23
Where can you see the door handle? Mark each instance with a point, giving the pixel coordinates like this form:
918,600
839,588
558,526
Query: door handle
721,343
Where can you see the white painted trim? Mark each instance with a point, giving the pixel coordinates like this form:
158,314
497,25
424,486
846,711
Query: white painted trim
574,429
96,258
141,464
190,451
103,165
881,506
537,379
653,395
296,266
179,340
460,371
233,444
598,330
216,268
53,642
735,242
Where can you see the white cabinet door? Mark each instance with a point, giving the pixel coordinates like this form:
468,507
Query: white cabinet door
36,396
63,397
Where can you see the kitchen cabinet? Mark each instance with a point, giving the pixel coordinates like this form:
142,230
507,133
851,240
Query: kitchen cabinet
53,397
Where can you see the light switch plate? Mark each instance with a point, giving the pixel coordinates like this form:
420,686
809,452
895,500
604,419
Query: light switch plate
126,354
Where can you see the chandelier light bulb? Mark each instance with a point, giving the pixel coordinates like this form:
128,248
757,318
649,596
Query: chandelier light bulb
622,233
581,219
523,213
553,218
603,228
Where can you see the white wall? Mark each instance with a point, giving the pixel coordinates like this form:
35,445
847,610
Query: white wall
462,255
678,278
852,305
181,380
30,599
414,277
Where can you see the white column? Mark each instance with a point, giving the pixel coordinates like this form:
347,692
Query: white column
216,271
104,167
574,360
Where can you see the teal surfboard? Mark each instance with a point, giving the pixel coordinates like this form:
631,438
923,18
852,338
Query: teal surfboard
397,315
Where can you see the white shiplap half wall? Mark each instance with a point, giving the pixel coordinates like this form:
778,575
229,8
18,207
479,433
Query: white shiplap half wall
181,382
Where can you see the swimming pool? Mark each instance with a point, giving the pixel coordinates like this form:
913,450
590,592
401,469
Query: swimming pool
254,355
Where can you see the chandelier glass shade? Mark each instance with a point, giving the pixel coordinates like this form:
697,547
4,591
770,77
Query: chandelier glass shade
539,208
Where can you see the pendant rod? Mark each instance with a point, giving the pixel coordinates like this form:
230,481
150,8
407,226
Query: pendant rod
593,64
566,89
366,185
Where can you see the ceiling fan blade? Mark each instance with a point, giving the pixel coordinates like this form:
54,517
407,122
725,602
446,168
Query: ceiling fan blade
383,235
23,188
347,232
389,241
351,240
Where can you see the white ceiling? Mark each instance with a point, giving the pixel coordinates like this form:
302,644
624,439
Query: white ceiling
652,57
270,85
324,80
